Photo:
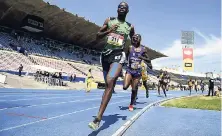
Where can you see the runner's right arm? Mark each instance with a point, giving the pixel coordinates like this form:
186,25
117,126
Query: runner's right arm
103,31
132,31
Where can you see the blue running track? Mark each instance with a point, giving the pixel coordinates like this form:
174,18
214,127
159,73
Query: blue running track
65,113
161,121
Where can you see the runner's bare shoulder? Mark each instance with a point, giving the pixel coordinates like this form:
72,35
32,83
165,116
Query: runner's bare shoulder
108,19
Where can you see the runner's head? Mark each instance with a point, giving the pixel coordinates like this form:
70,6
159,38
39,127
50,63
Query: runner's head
123,8
136,39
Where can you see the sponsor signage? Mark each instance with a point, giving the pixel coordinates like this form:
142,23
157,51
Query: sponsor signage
188,59
33,23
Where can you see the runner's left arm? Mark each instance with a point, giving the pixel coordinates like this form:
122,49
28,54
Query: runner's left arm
146,59
145,56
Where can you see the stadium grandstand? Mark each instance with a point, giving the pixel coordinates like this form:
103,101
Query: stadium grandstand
45,38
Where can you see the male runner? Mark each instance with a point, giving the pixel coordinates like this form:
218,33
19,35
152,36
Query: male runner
168,81
89,81
137,53
145,78
116,31
202,86
195,85
164,82
190,84
159,81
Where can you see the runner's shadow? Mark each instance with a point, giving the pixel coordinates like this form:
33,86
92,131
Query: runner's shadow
141,102
126,108
109,120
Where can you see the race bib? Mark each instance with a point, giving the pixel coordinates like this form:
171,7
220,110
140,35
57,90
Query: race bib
115,39
135,66
165,80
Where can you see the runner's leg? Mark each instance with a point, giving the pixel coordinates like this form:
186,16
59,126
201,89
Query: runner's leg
113,73
146,87
127,81
164,89
135,83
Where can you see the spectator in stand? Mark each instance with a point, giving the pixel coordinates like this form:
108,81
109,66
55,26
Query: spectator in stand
60,75
20,69
71,78
74,77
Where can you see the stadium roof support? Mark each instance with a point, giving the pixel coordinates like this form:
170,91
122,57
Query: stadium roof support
76,30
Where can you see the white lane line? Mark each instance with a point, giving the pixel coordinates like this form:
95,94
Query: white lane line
51,94
59,103
46,94
41,94
62,115
46,104
34,95
45,98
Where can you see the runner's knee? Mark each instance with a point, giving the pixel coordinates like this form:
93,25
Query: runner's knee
125,87
110,82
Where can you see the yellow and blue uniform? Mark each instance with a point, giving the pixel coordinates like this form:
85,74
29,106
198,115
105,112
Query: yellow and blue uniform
89,81
144,72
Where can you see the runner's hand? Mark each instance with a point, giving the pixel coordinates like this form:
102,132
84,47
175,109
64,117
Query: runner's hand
114,27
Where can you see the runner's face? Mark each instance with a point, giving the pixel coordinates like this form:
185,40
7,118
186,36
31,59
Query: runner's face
122,9
136,39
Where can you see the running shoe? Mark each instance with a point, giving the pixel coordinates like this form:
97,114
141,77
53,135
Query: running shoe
95,124
131,108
